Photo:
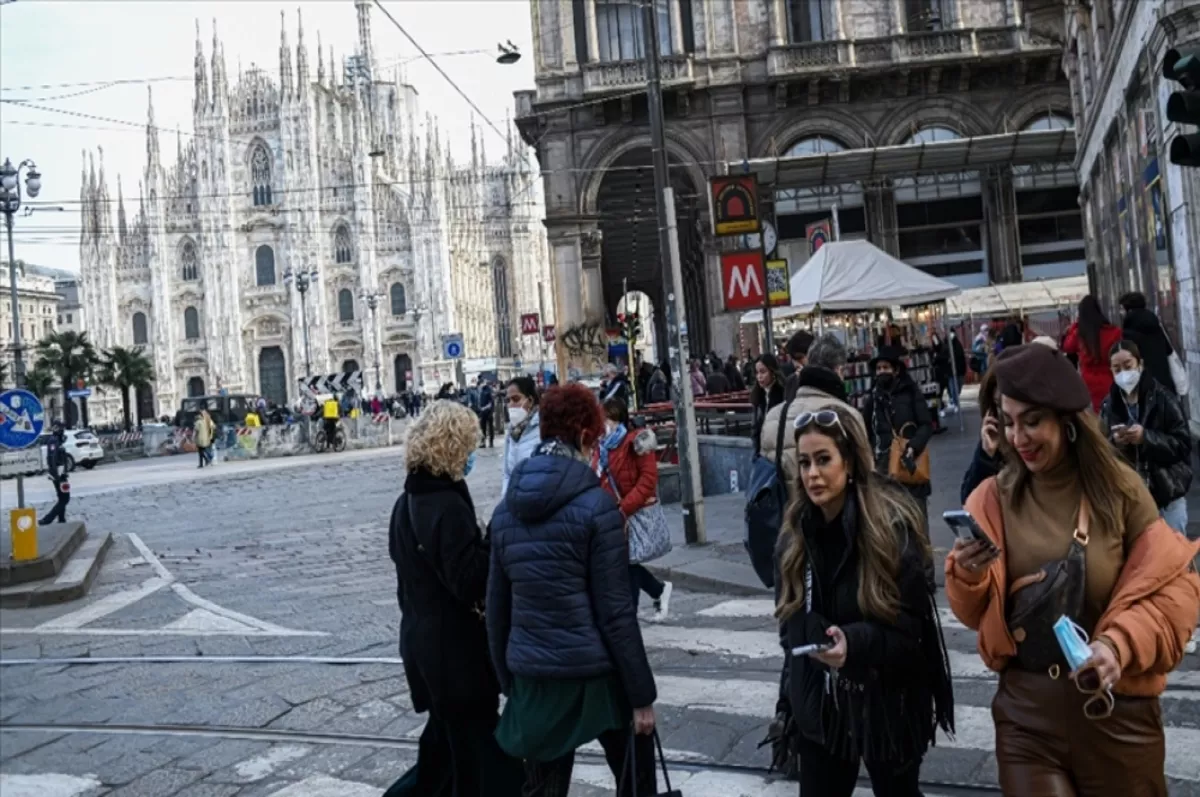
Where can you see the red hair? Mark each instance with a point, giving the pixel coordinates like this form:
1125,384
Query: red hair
571,413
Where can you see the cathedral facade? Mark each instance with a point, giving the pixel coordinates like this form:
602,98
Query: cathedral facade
312,226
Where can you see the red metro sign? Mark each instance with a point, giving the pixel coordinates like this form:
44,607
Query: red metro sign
529,324
743,279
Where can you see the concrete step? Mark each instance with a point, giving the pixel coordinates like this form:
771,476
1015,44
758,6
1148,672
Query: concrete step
56,543
71,583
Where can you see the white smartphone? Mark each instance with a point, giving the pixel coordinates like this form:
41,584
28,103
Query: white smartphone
808,650
1117,428
965,527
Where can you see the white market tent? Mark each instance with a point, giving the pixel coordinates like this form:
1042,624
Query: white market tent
854,276
1019,297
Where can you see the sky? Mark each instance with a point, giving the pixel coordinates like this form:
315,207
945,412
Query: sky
46,45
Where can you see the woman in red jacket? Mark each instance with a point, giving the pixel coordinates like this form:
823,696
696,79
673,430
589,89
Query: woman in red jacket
628,459
1090,339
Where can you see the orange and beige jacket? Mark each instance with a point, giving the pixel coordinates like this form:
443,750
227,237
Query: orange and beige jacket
1149,619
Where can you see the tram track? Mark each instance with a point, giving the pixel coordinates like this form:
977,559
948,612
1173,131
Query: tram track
228,733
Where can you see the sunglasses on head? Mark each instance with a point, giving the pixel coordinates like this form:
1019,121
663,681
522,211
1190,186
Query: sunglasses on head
825,419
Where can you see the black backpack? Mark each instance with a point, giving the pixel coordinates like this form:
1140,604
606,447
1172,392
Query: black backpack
766,499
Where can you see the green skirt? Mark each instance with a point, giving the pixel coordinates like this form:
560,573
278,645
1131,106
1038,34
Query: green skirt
545,719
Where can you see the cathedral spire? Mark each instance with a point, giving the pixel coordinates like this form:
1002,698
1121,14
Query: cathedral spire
219,84
508,130
122,224
84,196
301,56
320,61
333,73
201,100
151,131
178,146
365,49
285,58
474,145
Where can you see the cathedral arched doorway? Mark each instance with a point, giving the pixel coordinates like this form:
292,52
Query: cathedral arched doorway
403,365
272,375
349,366
195,387
145,404
629,248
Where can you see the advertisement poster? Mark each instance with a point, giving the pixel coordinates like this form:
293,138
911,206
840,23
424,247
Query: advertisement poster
778,289
1155,219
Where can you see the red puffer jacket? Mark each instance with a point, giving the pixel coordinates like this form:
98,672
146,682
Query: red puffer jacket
1095,371
634,468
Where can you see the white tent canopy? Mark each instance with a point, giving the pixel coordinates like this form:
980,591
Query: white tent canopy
1019,297
857,275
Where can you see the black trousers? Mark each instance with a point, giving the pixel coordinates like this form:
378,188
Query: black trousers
59,510
487,427
822,775
553,778
458,756
642,580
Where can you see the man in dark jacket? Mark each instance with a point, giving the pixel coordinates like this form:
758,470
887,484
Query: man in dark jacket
487,413
797,350
1142,326
57,463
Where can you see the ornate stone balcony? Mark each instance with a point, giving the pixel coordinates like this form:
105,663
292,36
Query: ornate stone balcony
599,78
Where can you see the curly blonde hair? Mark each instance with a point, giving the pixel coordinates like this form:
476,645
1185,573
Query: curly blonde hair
441,439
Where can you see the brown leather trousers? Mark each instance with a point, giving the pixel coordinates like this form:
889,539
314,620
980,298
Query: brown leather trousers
1046,747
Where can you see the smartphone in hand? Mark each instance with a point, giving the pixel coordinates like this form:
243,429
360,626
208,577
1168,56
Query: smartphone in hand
967,529
808,650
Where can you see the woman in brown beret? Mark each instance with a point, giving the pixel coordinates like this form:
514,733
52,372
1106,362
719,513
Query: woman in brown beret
1072,531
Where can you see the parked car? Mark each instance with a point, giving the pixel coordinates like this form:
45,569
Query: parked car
82,446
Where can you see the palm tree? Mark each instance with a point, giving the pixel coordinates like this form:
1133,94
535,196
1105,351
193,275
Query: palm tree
126,369
39,381
71,357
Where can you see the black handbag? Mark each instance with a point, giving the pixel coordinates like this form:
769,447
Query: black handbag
629,770
1036,601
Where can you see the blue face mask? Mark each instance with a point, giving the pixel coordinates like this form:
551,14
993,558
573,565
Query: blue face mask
1074,642
470,464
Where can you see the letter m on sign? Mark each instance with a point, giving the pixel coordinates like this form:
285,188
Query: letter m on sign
743,276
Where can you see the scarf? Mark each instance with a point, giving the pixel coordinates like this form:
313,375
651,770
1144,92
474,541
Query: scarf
557,448
610,443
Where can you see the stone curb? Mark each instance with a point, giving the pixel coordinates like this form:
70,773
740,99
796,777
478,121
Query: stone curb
46,566
695,582
71,584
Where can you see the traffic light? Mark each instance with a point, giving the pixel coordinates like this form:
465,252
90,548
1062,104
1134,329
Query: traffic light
1184,106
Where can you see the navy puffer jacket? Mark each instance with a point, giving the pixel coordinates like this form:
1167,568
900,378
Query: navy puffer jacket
559,603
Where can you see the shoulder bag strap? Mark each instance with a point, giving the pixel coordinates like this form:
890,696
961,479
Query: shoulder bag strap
783,415
613,482
1081,536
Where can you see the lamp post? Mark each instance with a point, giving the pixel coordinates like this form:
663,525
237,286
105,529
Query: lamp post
302,280
418,311
10,203
372,300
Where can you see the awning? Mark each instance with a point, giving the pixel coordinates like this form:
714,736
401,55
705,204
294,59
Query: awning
1027,147
1015,298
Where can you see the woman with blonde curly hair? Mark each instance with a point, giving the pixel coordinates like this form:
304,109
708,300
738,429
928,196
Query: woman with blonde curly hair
441,562
868,679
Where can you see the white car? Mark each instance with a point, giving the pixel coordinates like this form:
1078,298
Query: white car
82,447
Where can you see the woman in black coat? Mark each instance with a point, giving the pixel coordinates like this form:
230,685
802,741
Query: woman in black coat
766,394
442,569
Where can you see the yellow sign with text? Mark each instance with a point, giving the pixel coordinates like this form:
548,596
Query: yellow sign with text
23,526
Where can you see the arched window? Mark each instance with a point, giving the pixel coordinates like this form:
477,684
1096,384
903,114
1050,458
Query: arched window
140,336
195,387
191,324
928,135
813,145
260,174
343,251
944,185
399,302
819,199
345,305
1050,121
264,265
189,267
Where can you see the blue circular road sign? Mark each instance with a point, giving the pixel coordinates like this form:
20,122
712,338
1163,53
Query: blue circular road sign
453,349
21,419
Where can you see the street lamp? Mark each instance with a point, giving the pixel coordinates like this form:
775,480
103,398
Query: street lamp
302,279
509,53
372,300
10,203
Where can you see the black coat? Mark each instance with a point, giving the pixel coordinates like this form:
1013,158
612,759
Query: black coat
908,414
982,468
895,685
441,570
1163,458
763,402
559,604
1143,328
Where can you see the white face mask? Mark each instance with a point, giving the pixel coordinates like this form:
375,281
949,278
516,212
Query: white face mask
517,414
1128,380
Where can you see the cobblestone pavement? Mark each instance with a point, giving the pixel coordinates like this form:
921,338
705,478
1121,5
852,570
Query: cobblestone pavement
291,563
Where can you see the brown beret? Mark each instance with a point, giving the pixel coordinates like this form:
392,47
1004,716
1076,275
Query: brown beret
1042,376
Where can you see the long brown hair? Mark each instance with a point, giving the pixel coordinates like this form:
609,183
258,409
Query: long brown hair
1109,485
882,507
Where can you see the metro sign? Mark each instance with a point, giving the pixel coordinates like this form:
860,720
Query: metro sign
743,280
530,324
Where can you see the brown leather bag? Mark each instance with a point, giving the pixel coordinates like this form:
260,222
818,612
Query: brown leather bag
1036,601
896,469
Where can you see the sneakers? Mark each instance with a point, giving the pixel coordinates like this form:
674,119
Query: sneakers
662,606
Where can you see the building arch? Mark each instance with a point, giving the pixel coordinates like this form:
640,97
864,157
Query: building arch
683,155
345,305
343,244
141,332
191,323
402,365
260,165
1025,107
264,265
272,374
943,111
826,122
189,262
195,387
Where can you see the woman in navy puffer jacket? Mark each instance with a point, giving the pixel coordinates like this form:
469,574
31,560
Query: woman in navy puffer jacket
562,627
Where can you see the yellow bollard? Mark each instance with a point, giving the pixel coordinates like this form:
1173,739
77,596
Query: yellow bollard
23,526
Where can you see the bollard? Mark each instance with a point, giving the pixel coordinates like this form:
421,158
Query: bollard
23,527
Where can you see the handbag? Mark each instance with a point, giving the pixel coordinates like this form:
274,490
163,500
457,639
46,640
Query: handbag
896,470
1036,601
629,770
649,534
1178,374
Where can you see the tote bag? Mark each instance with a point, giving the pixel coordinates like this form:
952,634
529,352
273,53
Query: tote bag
649,534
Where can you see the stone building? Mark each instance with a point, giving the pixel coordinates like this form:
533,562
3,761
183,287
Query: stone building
37,304
1142,212
324,174
796,80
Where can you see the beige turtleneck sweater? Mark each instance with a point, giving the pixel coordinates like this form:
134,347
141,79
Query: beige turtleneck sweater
1039,530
